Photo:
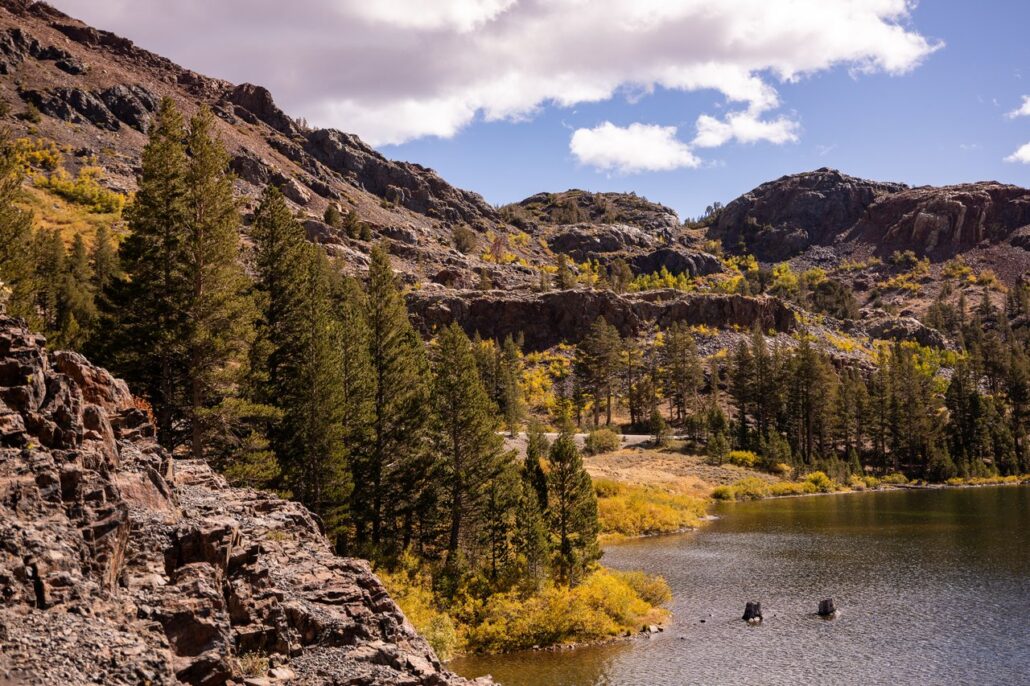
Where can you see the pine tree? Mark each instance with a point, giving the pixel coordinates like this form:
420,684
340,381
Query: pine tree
77,308
16,270
531,542
103,262
49,257
332,216
358,384
219,313
393,469
597,365
742,371
537,449
306,369
467,446
146,316
572,509
500,532
683,373
510,395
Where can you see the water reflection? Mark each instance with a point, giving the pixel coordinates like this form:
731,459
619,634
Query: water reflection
933,588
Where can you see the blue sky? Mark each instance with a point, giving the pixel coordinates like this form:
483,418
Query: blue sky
683,101
942,123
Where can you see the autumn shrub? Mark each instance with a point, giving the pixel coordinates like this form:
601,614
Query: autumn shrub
821,482
894,478
742,458
412,589
606,604
83,189
600,441
625,510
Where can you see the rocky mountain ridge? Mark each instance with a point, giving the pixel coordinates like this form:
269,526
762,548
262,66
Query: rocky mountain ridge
119,565
782,219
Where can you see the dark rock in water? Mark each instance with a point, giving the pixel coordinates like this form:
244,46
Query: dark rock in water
827,608
753,612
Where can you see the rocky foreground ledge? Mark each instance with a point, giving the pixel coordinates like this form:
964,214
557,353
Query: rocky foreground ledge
119,565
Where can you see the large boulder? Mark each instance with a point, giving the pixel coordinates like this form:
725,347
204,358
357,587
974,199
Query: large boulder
593,241
676,260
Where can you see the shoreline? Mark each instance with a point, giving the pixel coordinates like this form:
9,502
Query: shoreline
644,633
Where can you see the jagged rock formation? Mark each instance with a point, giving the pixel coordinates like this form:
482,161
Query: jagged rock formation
947,220
781,218
119,565
546,319
785,217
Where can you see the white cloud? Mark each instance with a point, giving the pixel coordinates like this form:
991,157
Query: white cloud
1021,155
631,149
394,70
1021,111
743,127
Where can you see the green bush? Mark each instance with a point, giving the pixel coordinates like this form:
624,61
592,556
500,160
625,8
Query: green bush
601,441
894,478
465,239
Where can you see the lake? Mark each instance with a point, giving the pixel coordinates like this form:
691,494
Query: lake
932,587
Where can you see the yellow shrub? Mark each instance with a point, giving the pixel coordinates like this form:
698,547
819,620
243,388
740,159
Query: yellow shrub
894,478
606,604
625,510
783,488
84,189
38,153
412,590
742,458
821,482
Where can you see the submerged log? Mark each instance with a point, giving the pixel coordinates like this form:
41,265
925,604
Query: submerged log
753,612
826,608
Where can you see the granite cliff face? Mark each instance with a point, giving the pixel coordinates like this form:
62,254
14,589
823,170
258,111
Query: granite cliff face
120,565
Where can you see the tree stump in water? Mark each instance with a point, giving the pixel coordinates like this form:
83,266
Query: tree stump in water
753,612
826,608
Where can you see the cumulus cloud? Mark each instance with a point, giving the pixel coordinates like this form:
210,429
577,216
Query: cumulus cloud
1022,155
631,149
743,127
394,70
1021,111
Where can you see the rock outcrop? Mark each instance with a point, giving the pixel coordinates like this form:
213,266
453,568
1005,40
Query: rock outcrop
781,218
546,319
583,207
786,217
120,565
943,221
883,326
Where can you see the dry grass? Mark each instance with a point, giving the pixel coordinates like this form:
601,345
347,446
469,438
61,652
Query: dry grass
668,470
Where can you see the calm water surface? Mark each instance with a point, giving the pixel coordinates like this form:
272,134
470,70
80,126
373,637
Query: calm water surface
933,587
